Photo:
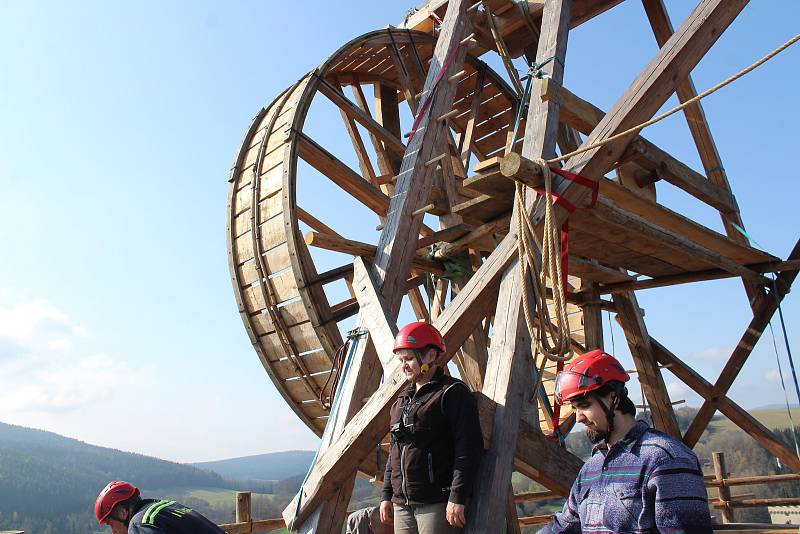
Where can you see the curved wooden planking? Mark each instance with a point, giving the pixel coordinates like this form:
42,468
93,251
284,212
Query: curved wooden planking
286,314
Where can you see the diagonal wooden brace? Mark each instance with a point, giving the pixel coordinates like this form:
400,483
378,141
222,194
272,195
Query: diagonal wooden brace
732,411
763,310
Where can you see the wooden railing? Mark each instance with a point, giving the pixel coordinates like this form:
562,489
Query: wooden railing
721,480
726,502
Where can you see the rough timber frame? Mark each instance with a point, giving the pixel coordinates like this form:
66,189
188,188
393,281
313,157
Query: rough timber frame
294,329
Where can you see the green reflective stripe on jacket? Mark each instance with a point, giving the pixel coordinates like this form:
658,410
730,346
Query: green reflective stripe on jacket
152,512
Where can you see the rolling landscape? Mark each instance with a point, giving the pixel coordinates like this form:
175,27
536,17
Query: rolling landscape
48,482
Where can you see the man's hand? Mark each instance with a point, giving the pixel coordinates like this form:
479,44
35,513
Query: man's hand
387,513
456,514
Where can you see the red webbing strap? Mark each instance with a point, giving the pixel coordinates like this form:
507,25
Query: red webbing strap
427,102
564,259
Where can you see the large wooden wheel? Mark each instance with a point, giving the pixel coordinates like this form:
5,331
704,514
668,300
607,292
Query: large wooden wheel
285,289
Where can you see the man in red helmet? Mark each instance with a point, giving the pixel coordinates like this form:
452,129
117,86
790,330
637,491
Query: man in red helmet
119,506
436,441
638,479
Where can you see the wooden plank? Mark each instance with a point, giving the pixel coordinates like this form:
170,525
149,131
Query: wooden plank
364,163
730,409
387,113
638,225
763,310
342,175
585,116
510,362
631,319
650,157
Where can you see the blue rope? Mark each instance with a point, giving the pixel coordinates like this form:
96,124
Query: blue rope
785,393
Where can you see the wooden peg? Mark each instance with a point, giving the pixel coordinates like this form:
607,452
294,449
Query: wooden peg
424,209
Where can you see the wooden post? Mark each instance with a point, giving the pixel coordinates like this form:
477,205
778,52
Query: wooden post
724,491
592,316
508,370
632,322
243,508
512,519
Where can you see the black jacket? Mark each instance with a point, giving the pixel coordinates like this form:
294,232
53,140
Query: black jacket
435,451
169,517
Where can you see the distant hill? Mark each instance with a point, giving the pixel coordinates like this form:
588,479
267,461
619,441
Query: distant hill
44,477
270,466
769,417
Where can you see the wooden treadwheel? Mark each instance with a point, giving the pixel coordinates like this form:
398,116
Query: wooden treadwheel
285,288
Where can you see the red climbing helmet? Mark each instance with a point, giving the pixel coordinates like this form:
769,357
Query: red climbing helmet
586,373
418,336
115,492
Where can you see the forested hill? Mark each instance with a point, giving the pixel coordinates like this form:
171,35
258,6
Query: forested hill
44,475
272,466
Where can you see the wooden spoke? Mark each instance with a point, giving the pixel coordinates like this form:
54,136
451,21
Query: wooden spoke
342,175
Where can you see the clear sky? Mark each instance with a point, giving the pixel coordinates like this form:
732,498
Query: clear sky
118,123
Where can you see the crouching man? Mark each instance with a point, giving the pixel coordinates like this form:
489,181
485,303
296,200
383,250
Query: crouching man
120,507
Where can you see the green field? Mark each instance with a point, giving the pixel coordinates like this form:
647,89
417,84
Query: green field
770,418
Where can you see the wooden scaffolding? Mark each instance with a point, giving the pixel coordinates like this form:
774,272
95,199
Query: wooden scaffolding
459,163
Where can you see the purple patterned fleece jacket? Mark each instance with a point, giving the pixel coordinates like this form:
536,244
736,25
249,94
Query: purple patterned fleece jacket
646,482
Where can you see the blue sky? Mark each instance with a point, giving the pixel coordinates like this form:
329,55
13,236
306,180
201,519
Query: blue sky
118,123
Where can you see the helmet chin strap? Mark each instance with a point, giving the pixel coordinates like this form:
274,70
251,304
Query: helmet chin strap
609,411
423,367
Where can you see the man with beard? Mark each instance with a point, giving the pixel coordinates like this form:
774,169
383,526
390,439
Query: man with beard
638,479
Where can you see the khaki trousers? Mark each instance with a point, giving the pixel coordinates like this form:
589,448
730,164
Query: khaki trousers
422,519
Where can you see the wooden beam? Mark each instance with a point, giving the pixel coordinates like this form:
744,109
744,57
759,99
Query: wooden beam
730,409
510,359
650,157
414,180
535,456
762,313
697,276
632,322
585,117
392,142
592,316
698,126
365,250
373,310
